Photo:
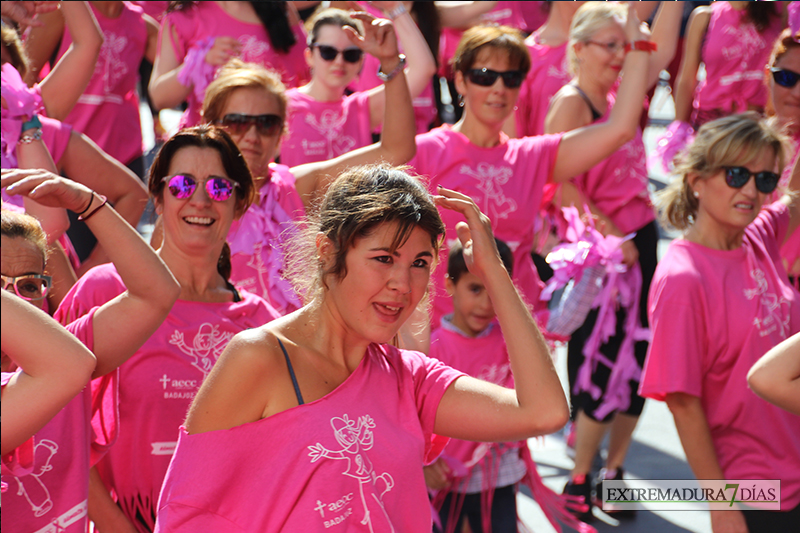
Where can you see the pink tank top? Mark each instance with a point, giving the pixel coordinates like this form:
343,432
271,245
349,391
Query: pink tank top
108,110
206,19
320,131
548,74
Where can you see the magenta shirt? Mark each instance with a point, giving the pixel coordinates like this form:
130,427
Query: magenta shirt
506,182
206,19
54,495
734,54
320,131
713,314
258,241
548,74
349,461
157,384
108,110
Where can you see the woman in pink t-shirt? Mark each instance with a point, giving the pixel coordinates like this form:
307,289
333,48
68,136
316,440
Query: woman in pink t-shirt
322,122
348,417
505,176
250,103
57,489
199,37
720,300
615,192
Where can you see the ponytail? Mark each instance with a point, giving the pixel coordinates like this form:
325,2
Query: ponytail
224,262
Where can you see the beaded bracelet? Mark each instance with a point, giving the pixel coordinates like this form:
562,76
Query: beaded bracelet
103,202
28,138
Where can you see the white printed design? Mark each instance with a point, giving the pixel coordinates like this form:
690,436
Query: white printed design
206,347
747,43
493,203
112,65
631,153
497,374
559,72
253,49
330,126
356,438
31,487
774,313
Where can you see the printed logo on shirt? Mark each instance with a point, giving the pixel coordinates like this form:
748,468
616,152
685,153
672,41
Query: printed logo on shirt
175,389
253,49
559,72
330,126
748,43
774,313
353,440
32,487
490,177
113,67
633,151
497,374
207,345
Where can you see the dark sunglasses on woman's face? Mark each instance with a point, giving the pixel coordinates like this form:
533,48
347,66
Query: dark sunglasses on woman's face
737,177
182,186
329,53
486,78
239,124
784,78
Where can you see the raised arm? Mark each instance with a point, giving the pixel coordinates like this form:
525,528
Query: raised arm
462,14
123,324
397,145
686,80
421,65
55,367
475,410
62,87
583,148
665,33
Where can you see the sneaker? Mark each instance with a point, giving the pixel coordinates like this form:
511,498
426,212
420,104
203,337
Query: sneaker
581,486
598,496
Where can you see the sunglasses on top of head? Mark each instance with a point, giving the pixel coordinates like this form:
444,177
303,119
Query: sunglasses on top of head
737,177
182,186
329,53
486,78
240,124
784,78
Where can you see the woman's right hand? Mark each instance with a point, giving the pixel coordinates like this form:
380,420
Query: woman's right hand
47,188
635,30
224,49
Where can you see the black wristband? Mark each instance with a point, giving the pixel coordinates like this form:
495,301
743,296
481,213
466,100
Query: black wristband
91,200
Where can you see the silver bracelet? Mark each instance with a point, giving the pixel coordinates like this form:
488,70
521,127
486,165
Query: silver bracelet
384,77
396,12
30,137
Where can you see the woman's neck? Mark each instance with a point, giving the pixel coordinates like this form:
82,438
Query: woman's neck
326,333
109,10
241,11
478,133
198,276
711,234
321,92
595,90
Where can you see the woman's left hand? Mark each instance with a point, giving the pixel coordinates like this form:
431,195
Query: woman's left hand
635,30
476,236
379,38
46,188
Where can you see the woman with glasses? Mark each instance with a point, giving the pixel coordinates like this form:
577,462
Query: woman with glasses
506,176
720,300
323,123
249,102
113,329
616,193
200,184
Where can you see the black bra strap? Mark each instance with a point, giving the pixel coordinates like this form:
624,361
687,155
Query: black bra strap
595,113
291,373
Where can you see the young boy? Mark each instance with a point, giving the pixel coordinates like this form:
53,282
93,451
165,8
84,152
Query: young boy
475,477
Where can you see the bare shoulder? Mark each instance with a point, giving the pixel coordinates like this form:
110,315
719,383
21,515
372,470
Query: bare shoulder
568,111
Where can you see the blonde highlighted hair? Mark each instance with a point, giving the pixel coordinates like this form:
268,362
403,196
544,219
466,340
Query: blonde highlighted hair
590,18
729,141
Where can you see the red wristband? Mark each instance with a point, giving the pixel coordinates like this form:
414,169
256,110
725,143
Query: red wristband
642,46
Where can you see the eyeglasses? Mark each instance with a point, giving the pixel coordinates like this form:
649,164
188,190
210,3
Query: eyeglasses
329,53
737,177
613,47
30,287
784,78
486,78
183,186
239,124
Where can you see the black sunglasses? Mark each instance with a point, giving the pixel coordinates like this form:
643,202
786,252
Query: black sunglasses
486,78
737,177
240,124
329,53
784,78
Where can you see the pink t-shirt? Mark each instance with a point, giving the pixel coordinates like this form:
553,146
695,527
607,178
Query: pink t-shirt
108,110
157,384
319,131
206,19
548,74
506,182
352,458
258,240
54,496
618,184
734,54
55,135
698,350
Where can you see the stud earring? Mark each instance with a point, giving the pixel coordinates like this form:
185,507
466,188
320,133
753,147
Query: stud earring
460,100
696,194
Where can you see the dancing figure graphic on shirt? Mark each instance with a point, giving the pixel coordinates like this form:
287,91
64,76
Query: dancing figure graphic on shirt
495,203
206,347
31,487
355,438
330,126
775,308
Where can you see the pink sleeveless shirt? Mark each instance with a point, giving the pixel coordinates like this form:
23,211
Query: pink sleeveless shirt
350,461
158,383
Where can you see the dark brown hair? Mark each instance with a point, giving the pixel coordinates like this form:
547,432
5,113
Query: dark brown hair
331,17
499,39
457,266
26,227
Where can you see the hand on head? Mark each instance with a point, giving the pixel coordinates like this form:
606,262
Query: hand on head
379,37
